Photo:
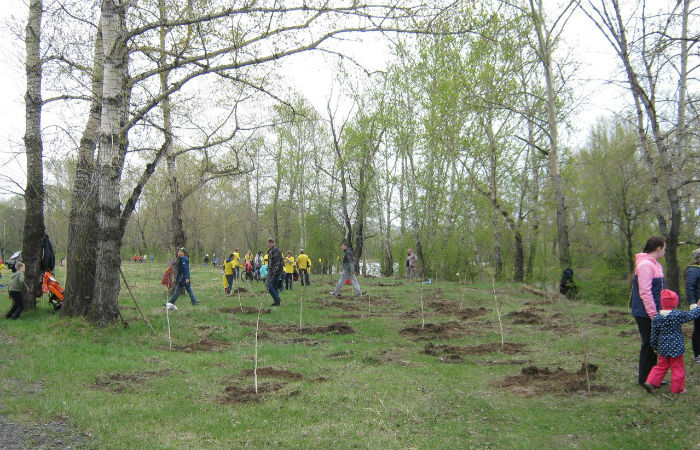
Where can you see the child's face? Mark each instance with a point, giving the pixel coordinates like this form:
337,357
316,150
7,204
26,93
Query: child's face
21,269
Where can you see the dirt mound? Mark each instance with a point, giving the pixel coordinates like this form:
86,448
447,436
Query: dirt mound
243,310
612,317
122,382
292,340
449,353
334,328
533,381
203,345
340,305
446,330
434,308
239,290
234,393
524,317
628,333
271,372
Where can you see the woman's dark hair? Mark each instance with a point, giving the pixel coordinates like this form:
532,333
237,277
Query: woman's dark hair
653,243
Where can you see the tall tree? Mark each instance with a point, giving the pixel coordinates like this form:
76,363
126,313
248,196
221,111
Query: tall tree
33,239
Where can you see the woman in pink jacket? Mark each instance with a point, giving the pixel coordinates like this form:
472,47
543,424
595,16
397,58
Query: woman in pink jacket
647,285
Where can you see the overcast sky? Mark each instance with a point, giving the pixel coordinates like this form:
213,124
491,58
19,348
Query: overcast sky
313,76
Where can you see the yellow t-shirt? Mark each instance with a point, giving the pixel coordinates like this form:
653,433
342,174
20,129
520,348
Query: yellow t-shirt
228,267
303,261
289,264
236,259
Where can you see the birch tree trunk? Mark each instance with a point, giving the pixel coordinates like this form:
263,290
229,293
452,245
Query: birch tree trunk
110,160
33,237
544,51
80,265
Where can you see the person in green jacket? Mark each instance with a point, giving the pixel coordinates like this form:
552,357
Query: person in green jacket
16,291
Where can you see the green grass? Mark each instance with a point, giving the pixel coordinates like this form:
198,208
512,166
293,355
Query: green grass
381,391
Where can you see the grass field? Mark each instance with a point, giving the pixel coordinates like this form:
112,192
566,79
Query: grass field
388,384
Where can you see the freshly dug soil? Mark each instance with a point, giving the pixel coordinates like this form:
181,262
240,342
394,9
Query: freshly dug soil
244,310
334,328
122,382
202,345
291,340
339,305
271,372
239,290
612,317
452,354
524,317
446,330
234,393
535,381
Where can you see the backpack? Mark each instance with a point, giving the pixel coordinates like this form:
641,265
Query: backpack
263,271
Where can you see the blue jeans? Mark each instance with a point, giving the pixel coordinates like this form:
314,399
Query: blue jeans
178,291
229,280
273,288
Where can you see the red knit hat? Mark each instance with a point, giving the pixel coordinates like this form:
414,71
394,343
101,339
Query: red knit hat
669,299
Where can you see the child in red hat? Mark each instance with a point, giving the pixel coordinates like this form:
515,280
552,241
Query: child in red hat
667,341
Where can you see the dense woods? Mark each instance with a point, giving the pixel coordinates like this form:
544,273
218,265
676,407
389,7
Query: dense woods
178,130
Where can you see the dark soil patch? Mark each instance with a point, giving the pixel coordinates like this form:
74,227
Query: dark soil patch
534,381
446,330
239,290
203,345
435,308
524,317
292,340
612,317
121,382
629,333
503,363
452,354
334,328
538,302
271,372
244,310
234,393
339,305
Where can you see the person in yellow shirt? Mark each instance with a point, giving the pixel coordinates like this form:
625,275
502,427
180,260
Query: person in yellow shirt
236,264
288,271
304,264
228,272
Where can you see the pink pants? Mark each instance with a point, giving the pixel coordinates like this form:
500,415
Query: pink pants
658,372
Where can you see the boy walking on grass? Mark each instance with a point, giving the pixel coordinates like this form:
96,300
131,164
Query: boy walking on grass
349,268
183,277
16,290
667,341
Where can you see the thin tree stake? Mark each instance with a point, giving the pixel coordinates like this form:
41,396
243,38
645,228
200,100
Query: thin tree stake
369,305
498,311
301,308
135,302
167,317
422,308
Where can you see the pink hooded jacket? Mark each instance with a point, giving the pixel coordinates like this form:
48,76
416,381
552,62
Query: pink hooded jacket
646,272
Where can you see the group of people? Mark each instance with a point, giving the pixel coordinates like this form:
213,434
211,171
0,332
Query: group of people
659,320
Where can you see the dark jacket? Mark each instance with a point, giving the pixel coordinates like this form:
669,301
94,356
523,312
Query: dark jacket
666,336
692,287
348,260
275,264
183,270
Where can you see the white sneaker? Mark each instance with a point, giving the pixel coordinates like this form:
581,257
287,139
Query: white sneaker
332,293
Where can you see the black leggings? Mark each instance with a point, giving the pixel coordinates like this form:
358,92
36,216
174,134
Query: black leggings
647,357
17,305
696,338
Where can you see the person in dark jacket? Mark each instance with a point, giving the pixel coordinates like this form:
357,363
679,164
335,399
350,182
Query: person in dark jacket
274,271
183,277
692,295
349,269
17,290
647,285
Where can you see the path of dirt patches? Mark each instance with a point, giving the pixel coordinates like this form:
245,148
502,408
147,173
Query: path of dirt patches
203,345
446,330
244,310
121,382
535,381
611,318
452,354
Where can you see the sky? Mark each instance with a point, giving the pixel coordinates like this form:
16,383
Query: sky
314,77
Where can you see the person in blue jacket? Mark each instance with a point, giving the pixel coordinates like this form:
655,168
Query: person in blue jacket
645,300
183,277
692,295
